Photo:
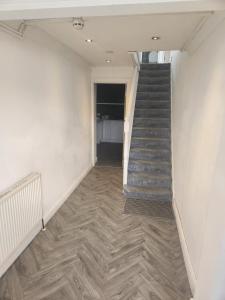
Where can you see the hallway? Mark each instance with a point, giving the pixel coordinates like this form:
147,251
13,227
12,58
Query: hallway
93,250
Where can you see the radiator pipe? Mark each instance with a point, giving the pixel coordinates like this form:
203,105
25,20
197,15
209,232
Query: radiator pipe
44,228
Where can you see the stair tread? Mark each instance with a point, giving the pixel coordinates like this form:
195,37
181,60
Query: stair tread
150,138
154,101
149,162
154,84
153,80
148,175
148,150
154,92
156,64
162,76
146,101
159,92
144,189
153,69
157,161
137,108
154,74
150,128
151,118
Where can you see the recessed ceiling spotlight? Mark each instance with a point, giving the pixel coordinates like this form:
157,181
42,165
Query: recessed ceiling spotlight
108,61
155,38
88,40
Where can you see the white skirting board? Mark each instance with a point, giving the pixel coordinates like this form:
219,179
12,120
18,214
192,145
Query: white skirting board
189,268
70,190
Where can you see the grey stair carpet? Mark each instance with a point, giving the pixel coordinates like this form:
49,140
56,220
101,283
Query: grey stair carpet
149,168
156,209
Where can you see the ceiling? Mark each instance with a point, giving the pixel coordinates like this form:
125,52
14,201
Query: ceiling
124,33
42,9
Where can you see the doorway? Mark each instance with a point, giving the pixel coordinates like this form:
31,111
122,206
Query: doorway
110,102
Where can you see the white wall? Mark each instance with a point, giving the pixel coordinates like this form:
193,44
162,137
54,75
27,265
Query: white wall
112,74
198,145
45,114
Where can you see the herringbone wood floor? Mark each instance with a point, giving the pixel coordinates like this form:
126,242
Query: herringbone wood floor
92,250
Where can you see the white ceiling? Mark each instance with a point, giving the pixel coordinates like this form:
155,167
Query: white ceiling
42,9
124,33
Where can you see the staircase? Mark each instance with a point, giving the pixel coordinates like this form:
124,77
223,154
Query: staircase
149,168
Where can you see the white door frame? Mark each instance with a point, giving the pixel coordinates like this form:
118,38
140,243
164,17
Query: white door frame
93,107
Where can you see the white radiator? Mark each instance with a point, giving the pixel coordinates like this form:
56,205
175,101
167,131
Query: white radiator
20,218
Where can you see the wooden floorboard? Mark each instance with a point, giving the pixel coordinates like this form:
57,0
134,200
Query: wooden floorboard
96,247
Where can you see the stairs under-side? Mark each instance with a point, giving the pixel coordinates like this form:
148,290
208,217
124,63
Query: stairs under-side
149,168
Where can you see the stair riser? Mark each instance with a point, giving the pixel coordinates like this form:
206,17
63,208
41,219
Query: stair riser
148,196
153,96
141,122
153,88
150,183
151,133
149,113
153,80
153,169
153,156
154,73
152,104
150,144
155,66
